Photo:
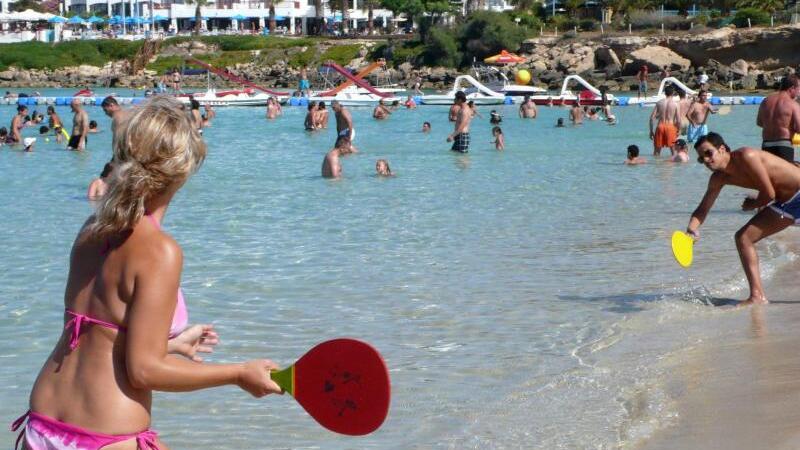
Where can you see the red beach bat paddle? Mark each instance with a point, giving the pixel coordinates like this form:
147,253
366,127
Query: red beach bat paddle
343,384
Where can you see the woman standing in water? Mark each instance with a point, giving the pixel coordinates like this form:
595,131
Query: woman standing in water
123,303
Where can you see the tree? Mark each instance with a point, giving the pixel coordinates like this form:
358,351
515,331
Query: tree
22,5
487,33
769,6
345,16
525,5
572,7
198,16
370,6
271,17
318,13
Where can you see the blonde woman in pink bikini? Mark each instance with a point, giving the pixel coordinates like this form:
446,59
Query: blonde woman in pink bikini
124,312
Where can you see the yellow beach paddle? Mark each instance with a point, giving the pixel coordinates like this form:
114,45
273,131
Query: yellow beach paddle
682,248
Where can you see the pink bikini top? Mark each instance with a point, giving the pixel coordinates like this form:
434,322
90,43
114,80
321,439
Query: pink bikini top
180,319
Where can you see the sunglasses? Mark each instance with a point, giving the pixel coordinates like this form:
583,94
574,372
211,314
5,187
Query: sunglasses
706,154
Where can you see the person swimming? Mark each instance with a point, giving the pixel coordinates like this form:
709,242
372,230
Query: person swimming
495,118
382,168
633,156
426,127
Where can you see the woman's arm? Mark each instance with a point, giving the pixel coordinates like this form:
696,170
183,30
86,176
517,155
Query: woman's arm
149,316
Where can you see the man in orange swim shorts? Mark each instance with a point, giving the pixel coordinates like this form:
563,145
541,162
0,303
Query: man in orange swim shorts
666,115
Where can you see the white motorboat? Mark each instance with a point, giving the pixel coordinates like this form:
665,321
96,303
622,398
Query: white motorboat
587,95
355,96
494,79
653,99
474,90
247,97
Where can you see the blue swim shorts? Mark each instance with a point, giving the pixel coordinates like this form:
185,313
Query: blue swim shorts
789,209
695,132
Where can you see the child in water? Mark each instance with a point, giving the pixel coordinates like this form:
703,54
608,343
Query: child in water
382,168
681,152
93,126
633,156
495,118
499,139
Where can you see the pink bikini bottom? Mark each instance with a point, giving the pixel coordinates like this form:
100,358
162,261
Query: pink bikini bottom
44,433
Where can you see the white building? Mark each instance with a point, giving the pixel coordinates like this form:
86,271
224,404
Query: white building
295,15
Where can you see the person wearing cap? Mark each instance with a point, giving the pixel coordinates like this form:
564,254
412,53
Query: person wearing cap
28,143
681,152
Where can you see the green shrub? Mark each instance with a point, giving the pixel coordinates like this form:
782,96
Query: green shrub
589,25
164,63
39,55
304,58
406,51
487,33
341,54
441,49
563,22
240,43
702,19
642,20
756,16
530,23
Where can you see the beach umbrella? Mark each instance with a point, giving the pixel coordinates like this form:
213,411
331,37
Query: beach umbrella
134,21
57,19
95,19
504,57
280,17
239,17
160,18
76,20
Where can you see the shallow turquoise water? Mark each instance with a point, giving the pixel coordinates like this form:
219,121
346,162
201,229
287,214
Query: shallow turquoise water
522,299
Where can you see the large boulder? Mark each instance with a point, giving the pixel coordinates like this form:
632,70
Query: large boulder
740,67
88,71
655,57
606,59
7,75
23,76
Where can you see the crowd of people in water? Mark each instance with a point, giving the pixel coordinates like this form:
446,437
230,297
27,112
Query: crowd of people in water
126,331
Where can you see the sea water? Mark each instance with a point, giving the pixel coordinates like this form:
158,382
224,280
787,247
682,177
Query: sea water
521,299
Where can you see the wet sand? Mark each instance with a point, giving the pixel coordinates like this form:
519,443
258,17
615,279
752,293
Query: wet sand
743,393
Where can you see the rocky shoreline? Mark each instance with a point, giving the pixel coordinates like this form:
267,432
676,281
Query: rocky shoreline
738,60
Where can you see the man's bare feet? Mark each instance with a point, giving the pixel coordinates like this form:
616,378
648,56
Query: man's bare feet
754,300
